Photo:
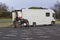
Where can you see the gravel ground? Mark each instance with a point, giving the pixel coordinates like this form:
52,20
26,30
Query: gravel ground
31,33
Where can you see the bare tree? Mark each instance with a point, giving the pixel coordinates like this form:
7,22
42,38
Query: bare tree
4,10
3,7
57,9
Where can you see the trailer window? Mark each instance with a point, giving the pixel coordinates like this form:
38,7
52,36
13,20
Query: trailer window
47,14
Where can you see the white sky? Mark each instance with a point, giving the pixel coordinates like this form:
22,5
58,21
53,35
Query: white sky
17,4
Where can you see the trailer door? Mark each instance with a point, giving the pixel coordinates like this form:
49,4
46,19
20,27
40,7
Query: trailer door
19,14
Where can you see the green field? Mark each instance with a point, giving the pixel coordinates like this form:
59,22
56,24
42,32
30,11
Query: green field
57,20
6,23
5,18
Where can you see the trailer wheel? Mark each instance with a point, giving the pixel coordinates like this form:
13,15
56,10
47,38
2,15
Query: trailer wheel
52,23
25,25
34,24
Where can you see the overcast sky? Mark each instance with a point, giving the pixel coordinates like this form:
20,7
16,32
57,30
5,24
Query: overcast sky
17,4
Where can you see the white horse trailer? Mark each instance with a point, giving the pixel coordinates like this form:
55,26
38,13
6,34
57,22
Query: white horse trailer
36,16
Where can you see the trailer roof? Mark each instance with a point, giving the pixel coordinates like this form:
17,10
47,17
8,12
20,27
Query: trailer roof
34,9
16,10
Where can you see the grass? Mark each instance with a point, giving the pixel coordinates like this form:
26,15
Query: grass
57,20
6,23
5,18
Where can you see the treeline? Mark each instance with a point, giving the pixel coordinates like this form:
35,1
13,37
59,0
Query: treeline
56,8
4,13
